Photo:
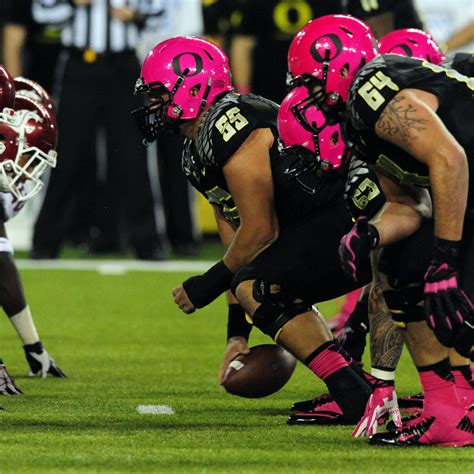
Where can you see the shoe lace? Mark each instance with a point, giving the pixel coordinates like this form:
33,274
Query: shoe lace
419,428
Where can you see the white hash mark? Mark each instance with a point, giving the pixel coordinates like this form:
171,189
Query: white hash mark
155,410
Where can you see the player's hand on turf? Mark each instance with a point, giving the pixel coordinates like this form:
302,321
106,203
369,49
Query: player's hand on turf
383,401
40,362
356,245
235,346
448,310
7,384
181,298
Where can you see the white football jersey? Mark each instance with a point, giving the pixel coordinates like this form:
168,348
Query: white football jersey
11,205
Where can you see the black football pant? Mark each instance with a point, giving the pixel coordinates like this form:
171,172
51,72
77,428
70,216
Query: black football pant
304,261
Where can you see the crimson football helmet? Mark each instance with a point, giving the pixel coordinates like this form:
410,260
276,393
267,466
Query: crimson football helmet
326,55
313,145
412,43
27,88
28,137
182,76
7,89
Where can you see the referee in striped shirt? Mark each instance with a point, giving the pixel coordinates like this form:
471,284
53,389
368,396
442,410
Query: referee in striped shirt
94,83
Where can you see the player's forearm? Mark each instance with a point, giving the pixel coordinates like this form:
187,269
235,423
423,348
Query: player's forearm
247,244
386,339
395,222
449,176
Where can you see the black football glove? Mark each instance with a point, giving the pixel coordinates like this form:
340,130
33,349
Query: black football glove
356,245
464,338
447,307
40,362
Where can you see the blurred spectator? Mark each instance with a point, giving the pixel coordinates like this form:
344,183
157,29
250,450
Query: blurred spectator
262,32
384,16
462,38
450,23
218,16
29,48
96,75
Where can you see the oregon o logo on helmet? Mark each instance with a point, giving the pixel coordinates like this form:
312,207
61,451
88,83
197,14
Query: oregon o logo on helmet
336,41
404,48
178,69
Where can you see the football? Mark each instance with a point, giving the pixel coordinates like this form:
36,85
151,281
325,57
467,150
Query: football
262,372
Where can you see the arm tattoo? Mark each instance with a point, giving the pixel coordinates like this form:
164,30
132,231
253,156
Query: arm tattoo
399,120
386,339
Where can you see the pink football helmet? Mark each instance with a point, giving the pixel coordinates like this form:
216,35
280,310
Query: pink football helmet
27,88
328,52
182,76
412,43
315,145
28,138
7,89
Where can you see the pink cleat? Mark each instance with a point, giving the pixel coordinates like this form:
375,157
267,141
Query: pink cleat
430,431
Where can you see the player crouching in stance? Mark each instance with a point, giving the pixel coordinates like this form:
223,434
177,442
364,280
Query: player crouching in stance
281,241
28,134
395,112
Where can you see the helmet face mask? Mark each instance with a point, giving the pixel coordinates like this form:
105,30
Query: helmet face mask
312,142
154,119
27,141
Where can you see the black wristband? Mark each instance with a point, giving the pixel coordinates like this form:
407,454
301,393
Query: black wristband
204,289
446,251
237,324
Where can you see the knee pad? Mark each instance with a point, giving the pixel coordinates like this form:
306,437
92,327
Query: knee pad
404,305
276,309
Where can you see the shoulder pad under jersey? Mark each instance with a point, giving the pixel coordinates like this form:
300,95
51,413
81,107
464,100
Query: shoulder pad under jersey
225,128
373,88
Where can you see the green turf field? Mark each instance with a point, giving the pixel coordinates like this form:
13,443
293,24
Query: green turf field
123,344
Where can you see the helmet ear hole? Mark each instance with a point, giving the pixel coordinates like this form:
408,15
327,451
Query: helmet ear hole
344,71
194,91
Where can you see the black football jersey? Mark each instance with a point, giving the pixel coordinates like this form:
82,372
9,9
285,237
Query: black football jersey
375,86
224,128
362,191
462,62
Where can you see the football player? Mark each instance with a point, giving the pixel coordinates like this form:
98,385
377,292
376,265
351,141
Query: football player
403,115
408,42
281,241
363,197
28,138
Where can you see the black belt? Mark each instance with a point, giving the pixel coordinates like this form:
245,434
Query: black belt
90,56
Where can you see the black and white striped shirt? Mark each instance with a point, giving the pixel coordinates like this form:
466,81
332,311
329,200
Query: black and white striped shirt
92,26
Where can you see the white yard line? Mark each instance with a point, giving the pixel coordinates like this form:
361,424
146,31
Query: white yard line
155,410
116,267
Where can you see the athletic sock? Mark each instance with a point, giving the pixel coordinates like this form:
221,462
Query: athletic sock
25,327
346,387
441,398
